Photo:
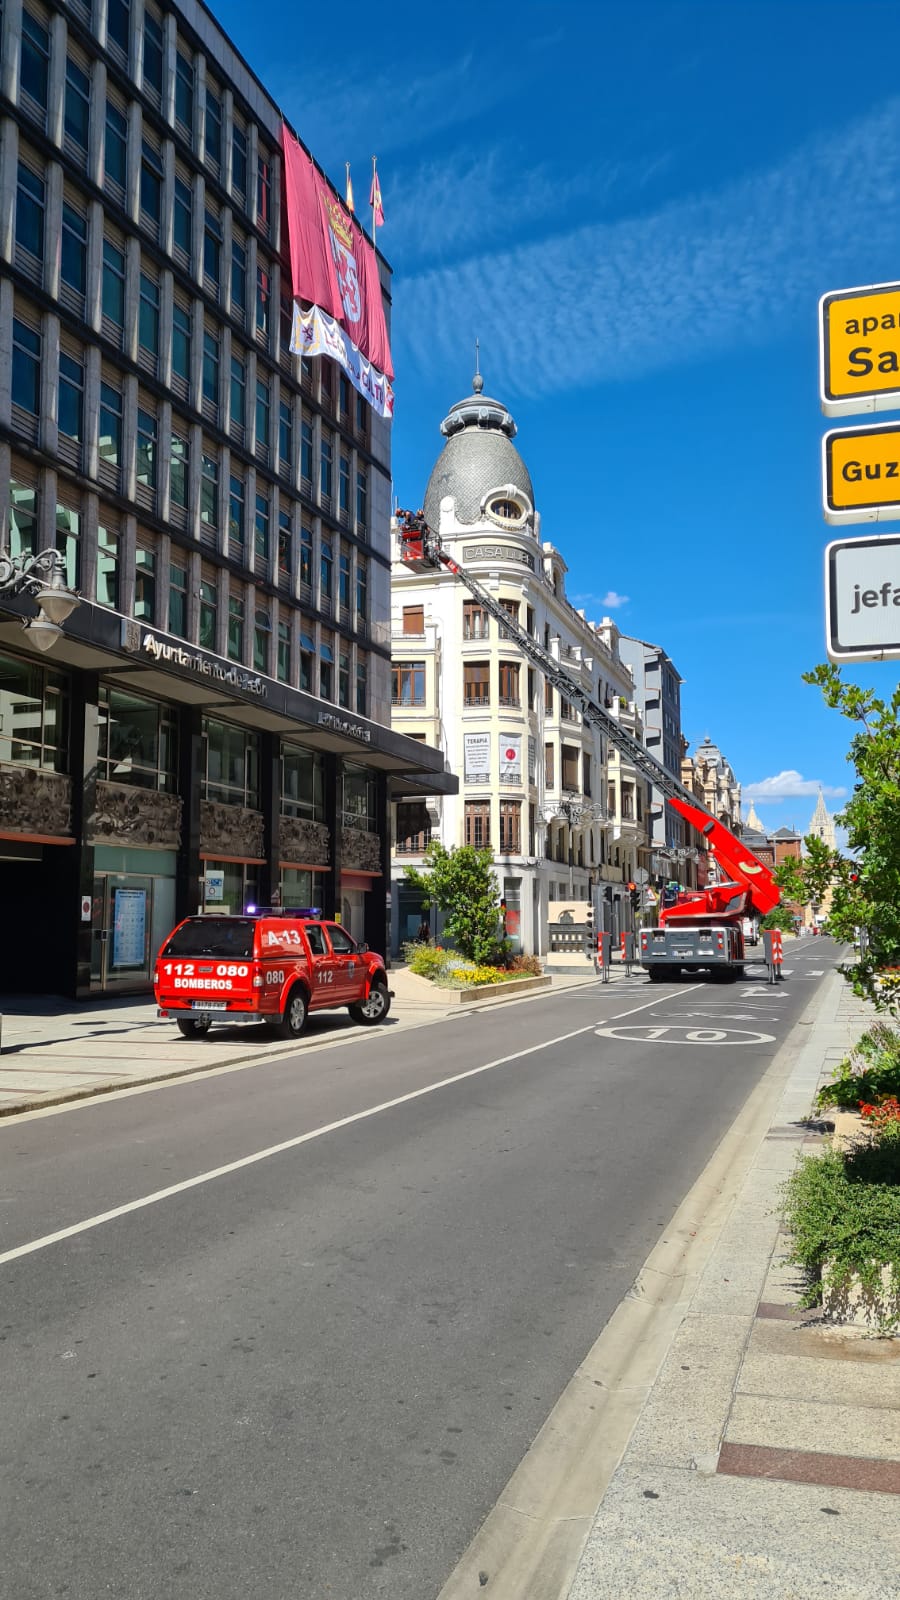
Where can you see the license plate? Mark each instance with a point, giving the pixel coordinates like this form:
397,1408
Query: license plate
208,1005
682,952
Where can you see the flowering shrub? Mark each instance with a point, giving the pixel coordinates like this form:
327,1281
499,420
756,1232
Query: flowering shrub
879,1117
428,960
526,966
869,1073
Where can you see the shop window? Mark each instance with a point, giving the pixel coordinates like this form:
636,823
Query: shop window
107,568
137,742
408,683
359,798
478,824
231,764
34,715
302,783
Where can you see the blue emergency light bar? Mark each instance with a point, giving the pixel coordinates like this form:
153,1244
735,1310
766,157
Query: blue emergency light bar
304,913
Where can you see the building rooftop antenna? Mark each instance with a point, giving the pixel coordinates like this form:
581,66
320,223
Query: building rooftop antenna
477,381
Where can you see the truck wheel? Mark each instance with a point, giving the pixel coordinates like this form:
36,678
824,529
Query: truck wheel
192,1027
373,1010
295,1013
655,975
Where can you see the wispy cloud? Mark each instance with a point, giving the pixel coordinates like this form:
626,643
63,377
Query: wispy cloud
610,601
610,301
786,786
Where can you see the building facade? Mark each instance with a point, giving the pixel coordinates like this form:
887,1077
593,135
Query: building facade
213,727
657,689
565,817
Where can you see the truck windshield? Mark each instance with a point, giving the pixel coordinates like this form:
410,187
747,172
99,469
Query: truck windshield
213,936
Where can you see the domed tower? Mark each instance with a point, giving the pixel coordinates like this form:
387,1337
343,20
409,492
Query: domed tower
479,478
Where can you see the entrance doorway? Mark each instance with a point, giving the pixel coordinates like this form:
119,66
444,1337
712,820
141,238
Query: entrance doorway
131,915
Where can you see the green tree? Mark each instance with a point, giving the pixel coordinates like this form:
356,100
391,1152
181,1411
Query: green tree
806,879
782,917
866,889
461,883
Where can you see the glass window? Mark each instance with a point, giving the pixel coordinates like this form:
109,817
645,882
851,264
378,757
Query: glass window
283,668
408,683
137,740
209,491
285,553
145,585
26,368
359,798
71,396
184,92
209,607
236,516
34,71
153,54
263,192
326,569
238,276
151,182
344,582
117,19
306,451
344,485
181,343
178,471
307,655
213,127
212,247
239,162
30,212
306,556
22,519
235,628
73,250
238,392
183,216
107,567
326,468
211,368
68,542
146,449
115,157
476,683
343,679
362,688
261,534
478,824
344,393
285,433
326,673
302,783
262,628
178,600
362,593
263,294
34,715
263,411
362,499
475,620
148,315
76,120
113,284
110,425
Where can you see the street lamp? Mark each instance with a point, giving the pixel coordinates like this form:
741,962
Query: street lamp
43,578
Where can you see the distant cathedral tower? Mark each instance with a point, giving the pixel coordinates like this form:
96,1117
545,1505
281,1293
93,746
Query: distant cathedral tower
822,824
753,820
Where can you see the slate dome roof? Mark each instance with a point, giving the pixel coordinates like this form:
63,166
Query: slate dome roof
479,455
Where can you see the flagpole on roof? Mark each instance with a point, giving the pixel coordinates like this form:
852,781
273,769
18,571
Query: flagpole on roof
373,194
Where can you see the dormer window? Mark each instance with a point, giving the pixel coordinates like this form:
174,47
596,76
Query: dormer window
506,506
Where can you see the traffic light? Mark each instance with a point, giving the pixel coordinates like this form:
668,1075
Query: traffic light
635,896
589,915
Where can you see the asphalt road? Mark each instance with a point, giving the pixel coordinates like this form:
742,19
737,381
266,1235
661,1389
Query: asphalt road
338,1295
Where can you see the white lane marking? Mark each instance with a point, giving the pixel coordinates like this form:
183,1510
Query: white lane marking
643,1033
658,1001
276,1149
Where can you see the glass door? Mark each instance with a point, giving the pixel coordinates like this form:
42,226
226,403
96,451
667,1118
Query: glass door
120,943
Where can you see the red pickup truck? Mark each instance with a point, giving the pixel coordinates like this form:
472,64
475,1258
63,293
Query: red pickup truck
269,966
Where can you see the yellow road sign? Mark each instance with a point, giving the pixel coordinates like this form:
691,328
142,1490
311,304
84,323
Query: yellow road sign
859,350
861,473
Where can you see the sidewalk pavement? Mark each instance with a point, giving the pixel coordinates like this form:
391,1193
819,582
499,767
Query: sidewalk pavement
56,1050
765,1463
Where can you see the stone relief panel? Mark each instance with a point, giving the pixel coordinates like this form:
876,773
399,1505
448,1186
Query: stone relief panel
127,815
230,830
305,841
32,801
360,851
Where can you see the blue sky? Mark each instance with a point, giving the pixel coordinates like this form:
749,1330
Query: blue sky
635,208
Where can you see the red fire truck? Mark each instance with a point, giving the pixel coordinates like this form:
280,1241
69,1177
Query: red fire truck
703,930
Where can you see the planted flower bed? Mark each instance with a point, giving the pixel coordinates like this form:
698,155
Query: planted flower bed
449,970
842,1207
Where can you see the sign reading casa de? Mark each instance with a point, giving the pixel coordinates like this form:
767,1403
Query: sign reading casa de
859,349
861,473
862,599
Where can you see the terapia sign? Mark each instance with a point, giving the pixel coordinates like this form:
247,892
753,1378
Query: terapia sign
334,270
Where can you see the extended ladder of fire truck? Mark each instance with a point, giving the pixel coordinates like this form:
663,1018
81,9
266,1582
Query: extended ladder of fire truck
421,549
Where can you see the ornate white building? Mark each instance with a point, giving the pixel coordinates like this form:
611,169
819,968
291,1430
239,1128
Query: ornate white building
560,810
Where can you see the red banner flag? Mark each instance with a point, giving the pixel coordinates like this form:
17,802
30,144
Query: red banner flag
333,264
375,200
